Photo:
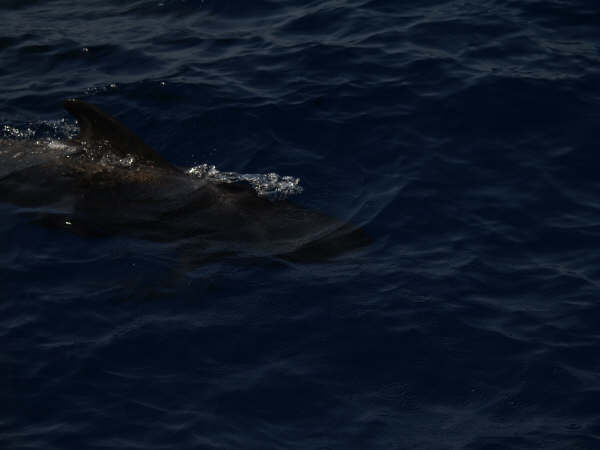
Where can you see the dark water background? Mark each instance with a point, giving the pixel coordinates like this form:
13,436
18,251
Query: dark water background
463,135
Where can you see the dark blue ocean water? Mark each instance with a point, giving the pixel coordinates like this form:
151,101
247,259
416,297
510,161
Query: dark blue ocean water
462,135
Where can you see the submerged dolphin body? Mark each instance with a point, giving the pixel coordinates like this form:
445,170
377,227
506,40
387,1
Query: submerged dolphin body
107,181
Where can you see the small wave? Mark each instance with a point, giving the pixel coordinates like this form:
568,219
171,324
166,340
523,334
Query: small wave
270,185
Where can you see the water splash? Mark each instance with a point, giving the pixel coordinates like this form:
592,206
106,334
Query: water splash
270,185
11,132
50,129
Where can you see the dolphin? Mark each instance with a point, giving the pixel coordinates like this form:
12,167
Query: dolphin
106,181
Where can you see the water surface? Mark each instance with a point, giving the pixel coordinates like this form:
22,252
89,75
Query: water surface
461,135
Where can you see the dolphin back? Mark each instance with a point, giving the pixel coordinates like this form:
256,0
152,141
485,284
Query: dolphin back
102,132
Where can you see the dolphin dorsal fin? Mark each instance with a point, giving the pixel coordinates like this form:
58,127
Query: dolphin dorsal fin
96,126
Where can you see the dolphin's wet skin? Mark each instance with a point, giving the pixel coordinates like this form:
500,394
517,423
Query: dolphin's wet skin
107,182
